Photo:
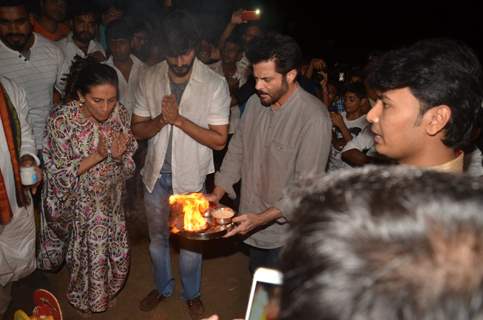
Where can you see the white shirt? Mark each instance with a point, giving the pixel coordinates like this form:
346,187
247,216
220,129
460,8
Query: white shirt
205,101
17,239
128,88
355,127
70,50
37,75
241,76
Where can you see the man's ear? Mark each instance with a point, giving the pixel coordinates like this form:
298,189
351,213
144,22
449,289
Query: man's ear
292,75
436,118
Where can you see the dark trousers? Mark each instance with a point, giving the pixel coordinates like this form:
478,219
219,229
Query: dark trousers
268,258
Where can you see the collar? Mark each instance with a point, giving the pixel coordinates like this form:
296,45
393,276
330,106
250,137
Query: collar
455,165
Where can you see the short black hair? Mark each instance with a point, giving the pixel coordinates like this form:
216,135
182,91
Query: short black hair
82,8
282,49
84,73
119,29
15,3
392,243
180,33
438,72
357,88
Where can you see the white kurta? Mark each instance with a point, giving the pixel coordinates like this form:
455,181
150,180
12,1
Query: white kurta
17,239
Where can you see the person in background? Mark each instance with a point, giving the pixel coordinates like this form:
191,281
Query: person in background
112,12
88,156
51,21
182,107
128,67
140,41
429,98
348,124
81,42
32,61
393,243
17,226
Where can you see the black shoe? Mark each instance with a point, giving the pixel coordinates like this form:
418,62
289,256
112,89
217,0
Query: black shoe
195,308
151,301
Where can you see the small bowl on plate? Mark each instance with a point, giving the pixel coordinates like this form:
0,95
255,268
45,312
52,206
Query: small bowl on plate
223,215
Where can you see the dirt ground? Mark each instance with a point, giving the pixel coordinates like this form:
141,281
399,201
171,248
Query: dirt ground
224,289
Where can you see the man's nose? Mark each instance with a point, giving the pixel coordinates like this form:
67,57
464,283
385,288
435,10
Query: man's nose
375,112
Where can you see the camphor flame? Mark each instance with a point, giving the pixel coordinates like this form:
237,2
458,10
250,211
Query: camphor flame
193,206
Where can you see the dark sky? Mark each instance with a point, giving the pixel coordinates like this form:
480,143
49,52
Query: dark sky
348,30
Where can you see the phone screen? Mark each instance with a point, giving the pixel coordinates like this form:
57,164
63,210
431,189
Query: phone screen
265,302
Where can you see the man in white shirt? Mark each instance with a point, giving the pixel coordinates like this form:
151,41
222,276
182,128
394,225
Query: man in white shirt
81,41
32,61
128,67
182,107
17,226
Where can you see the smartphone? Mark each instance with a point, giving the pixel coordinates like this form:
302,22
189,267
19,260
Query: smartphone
264,301
250,15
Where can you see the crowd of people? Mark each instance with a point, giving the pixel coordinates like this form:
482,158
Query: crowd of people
88,100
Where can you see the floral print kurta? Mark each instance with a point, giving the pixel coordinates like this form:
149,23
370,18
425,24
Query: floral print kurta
83,219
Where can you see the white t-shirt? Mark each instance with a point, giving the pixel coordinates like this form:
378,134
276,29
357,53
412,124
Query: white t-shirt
37,75
205,101
128,88
355,127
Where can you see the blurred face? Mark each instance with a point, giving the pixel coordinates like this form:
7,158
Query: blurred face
100,101
230,53
139,40
120,49
85,28
204,52
352,103
395,122
180,66
111,15
54,9
15,27
251,33
271,86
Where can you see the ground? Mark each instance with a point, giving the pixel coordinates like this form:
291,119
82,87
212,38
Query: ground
225,282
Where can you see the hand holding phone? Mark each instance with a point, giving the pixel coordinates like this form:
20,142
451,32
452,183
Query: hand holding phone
264,301
251,15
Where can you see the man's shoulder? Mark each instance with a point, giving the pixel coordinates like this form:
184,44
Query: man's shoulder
310,104
43,44
156,71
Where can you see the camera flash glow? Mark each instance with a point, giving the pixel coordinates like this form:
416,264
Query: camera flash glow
257,12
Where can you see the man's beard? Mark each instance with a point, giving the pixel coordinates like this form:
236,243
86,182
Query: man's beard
84,37
16,41
271,98
181,71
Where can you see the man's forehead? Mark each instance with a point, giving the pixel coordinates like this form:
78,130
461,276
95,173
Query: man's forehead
13,13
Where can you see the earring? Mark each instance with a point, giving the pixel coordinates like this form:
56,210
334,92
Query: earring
81,102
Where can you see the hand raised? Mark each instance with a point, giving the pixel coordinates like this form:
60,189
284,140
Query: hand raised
102,149
119,144
170,110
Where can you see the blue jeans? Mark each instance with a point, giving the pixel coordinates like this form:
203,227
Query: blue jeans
157,213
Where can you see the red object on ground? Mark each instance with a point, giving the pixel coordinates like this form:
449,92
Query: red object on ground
46,304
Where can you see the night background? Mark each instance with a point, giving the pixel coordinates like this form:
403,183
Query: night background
345,31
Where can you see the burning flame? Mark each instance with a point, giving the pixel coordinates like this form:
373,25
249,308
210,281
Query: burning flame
193,206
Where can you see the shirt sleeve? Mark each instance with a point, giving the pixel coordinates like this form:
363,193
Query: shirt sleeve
220,105
61,167
140,105
230,170
19,99
62,72
363,141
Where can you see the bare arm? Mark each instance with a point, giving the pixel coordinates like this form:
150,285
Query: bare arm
235,20
355,158
145,127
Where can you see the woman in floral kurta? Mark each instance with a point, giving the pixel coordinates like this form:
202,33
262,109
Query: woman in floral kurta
88,157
